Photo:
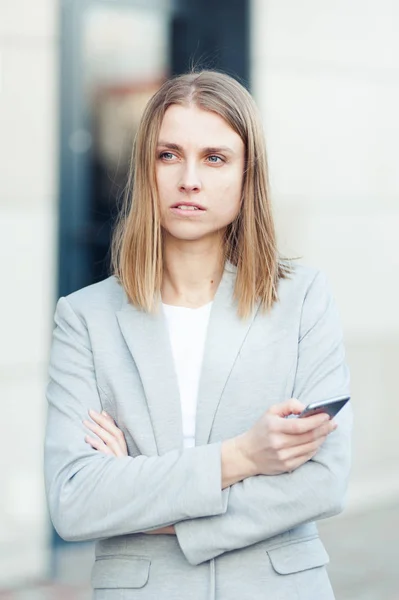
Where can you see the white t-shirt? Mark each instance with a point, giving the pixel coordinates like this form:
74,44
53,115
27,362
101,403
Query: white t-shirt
187,331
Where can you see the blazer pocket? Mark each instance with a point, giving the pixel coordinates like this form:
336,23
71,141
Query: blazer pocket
120,572
298,556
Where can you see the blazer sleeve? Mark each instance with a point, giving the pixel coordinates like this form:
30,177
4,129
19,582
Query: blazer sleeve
91,495
264,506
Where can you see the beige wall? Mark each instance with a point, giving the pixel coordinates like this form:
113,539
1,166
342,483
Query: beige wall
326,78
28,163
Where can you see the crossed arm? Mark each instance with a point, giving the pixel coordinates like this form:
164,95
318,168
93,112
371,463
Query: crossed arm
92,495
274,446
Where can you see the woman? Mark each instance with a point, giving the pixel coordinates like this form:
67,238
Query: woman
170,381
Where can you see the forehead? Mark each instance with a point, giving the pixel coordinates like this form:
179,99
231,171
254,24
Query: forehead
195,126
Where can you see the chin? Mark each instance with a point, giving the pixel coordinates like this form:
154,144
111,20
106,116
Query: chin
187,237
189,234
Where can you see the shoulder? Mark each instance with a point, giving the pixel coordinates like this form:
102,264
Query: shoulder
303,283
106,296
306,296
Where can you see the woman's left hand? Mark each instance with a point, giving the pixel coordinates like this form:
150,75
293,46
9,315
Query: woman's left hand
111,441
169,530
110,438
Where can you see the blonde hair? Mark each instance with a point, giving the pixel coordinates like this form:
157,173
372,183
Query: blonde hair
249,242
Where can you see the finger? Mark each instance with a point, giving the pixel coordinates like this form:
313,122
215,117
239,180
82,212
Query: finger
298,462
165,530
107,423
304,450
289,440
106,437
300,426
303,458
104,420
98,445
283,409
107,416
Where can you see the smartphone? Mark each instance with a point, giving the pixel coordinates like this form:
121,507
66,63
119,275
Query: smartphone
331,407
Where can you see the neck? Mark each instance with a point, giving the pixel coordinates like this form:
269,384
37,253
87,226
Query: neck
191,271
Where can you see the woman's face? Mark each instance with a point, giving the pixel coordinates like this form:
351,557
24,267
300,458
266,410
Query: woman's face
199,171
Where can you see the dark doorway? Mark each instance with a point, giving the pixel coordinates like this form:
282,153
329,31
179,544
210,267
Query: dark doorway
114,55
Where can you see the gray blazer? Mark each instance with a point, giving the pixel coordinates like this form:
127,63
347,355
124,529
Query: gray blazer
254,540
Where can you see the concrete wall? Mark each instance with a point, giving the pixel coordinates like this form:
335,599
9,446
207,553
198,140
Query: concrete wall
326,78
28,163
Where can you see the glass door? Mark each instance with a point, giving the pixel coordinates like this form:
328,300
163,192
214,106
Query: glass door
114,55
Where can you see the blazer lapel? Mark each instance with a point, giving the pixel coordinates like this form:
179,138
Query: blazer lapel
225,336
147,338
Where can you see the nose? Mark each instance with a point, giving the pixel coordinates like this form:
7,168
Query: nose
190,181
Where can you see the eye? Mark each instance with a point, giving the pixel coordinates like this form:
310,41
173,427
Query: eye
167,156
214,159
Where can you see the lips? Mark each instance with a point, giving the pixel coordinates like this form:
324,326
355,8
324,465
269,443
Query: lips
193,206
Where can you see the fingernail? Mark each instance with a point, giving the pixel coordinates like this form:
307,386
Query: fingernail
104,413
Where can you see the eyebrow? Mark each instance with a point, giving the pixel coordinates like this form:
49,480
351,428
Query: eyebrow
206,150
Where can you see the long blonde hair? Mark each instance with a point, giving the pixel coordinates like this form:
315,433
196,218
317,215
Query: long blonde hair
249,242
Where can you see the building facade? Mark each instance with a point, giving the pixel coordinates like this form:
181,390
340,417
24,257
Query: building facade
325,77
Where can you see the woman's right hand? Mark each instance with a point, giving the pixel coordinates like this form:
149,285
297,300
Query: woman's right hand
276,445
